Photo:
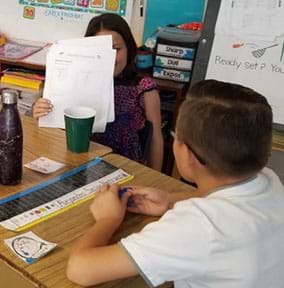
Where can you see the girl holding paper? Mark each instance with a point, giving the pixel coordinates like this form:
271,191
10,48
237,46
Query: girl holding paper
136,99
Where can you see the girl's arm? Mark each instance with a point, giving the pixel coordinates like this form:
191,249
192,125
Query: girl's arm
153,114
41,108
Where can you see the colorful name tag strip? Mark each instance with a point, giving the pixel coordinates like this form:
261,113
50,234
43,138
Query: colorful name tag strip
57,195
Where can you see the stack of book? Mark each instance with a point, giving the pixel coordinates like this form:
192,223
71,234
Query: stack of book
23,78
28,83
27,97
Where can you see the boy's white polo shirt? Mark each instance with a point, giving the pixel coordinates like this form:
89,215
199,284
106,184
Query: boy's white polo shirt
234,238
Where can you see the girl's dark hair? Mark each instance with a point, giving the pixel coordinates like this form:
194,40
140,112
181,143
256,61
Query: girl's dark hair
227,124
114,22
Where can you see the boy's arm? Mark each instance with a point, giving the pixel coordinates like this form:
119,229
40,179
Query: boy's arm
153,201
92,262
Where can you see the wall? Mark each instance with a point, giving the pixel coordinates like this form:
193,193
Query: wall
50,25
173,12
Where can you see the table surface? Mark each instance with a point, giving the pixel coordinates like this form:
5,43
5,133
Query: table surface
66,227
50,143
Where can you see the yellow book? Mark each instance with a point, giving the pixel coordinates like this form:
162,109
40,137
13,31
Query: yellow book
28,83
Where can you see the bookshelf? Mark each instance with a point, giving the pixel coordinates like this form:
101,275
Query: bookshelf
27,96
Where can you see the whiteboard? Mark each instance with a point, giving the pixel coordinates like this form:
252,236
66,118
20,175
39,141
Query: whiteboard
48,24
248,55
255,64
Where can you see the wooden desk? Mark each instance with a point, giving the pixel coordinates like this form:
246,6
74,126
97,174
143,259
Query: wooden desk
65,228
50,143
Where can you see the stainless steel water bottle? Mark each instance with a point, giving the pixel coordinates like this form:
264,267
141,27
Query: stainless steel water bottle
11,139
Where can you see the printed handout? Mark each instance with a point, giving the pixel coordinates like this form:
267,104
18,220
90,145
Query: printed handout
79,72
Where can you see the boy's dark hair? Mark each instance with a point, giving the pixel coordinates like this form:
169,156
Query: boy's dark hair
227,124
114,22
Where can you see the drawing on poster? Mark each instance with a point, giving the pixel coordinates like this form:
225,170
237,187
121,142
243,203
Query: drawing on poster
84,6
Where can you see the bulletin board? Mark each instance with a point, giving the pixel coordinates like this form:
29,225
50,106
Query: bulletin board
234,54
93,6
51,20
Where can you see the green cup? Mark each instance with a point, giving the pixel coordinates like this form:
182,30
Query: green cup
78,124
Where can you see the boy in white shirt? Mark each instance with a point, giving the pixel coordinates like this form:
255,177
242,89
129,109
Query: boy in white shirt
232,237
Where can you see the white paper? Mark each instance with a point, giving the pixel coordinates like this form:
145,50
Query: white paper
258,19
103,41
44,165
80,75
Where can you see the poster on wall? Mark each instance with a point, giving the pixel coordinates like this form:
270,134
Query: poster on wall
52,20
255,64
248,49
85,6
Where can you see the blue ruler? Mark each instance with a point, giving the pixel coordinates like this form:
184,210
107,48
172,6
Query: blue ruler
31,206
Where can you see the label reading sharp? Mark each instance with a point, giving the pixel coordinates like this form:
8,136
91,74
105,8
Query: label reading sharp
176,51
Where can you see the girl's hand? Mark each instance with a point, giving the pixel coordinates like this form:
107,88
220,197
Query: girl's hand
148,201
108,206
41,108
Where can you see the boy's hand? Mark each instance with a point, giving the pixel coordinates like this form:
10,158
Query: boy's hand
108,206
41,108
148,201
